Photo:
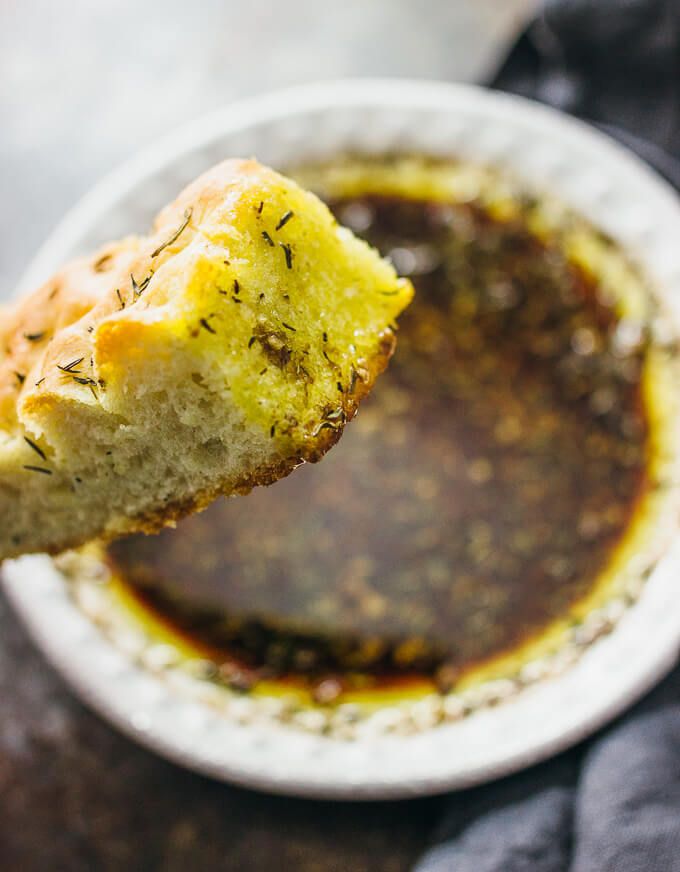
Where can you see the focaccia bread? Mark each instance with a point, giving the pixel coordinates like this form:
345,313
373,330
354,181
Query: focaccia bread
217,353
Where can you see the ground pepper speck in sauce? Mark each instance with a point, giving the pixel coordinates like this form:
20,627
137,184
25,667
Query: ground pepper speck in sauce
475,498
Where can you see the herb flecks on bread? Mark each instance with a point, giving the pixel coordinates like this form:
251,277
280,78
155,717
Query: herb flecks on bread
218,353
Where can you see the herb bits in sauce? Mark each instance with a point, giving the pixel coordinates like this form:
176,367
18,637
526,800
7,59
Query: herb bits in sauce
477,497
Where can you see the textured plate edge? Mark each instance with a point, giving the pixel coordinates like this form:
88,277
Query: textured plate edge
121,711
323,95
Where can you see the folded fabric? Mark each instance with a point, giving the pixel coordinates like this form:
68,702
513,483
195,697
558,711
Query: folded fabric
612,804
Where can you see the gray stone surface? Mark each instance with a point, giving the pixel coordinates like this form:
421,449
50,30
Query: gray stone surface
83,85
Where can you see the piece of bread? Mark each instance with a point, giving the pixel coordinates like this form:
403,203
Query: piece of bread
218,353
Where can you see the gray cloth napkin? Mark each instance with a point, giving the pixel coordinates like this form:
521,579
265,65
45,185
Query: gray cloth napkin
612,804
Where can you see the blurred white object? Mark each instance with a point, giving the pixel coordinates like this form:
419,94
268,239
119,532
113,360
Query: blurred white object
82,90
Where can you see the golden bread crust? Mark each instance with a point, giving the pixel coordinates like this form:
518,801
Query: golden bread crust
142,382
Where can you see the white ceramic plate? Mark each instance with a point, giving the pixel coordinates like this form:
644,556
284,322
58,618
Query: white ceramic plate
587,171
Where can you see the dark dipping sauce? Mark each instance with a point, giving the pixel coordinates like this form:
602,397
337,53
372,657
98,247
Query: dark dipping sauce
474,500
